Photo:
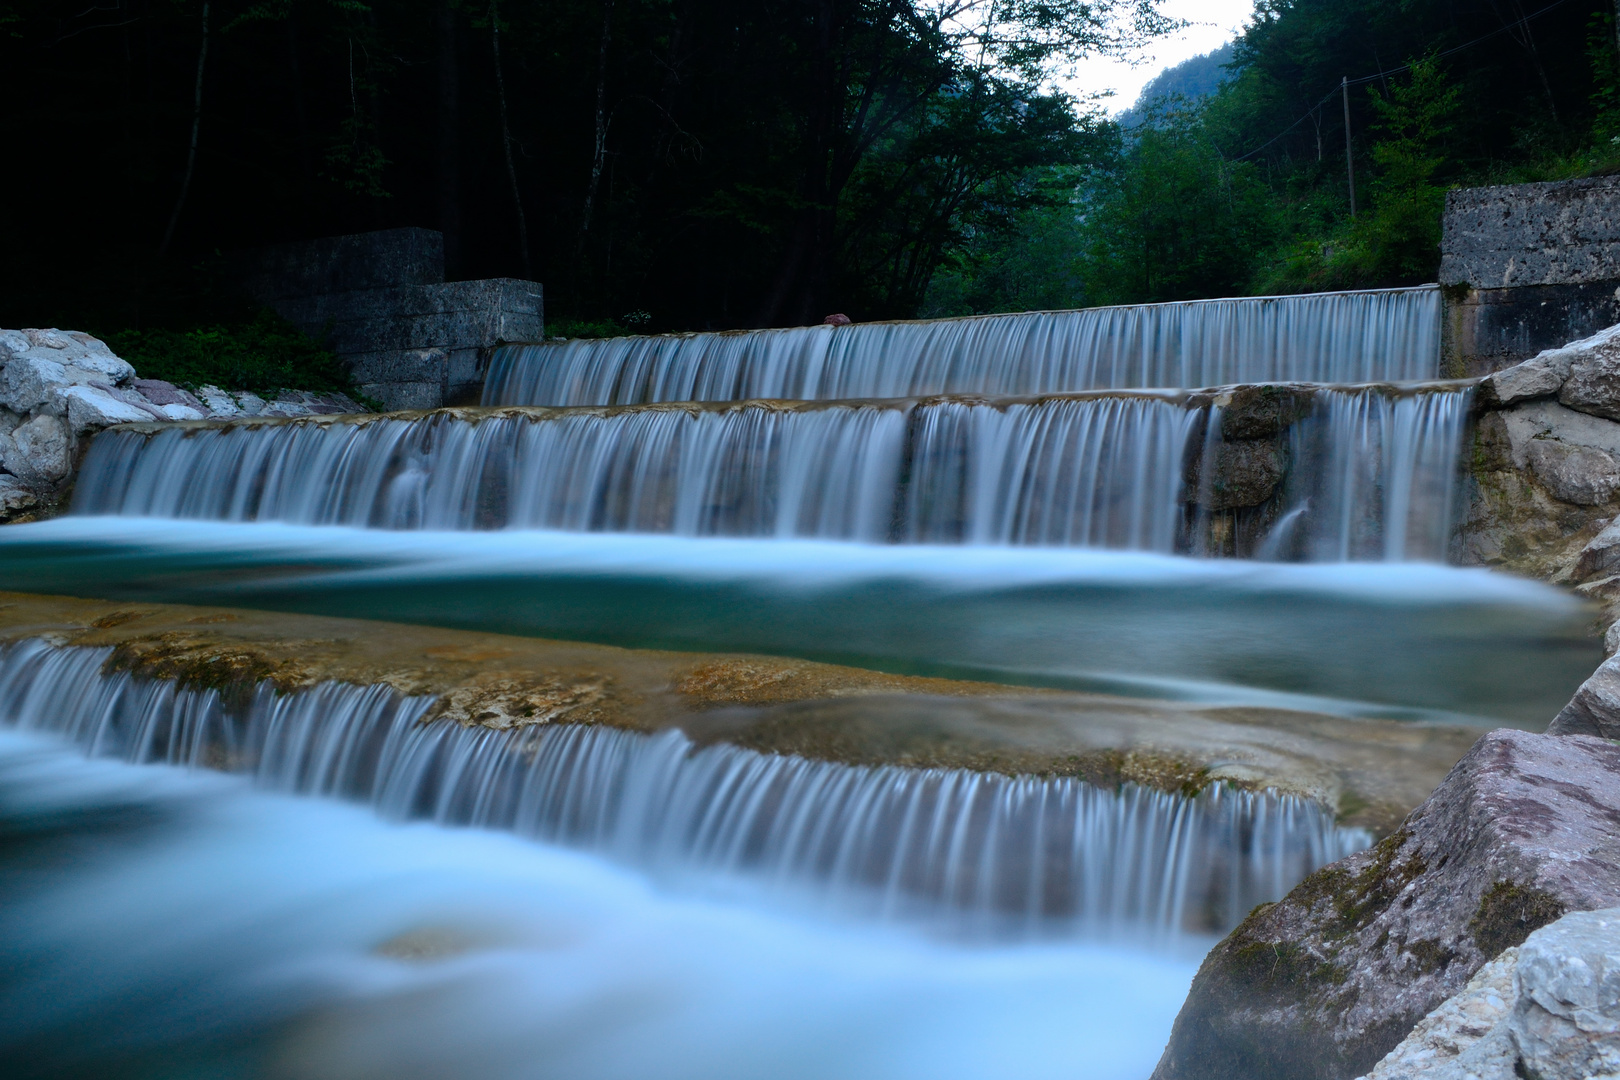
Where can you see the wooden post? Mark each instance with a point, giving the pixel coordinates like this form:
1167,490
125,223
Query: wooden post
1349,155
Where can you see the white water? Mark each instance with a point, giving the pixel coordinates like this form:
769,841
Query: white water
1385,479
1096,472
162,923
1354,337
1024,856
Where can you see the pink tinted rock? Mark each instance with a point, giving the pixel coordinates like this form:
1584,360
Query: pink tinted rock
1326,982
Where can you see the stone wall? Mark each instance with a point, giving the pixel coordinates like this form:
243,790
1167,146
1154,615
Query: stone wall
379,300
1527,267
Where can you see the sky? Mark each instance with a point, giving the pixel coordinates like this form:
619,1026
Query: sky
1214,23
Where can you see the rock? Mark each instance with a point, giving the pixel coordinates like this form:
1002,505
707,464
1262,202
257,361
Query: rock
9,421
217,402
72,348
1574,474
1244,474
131,396
1566,1021
1541,420
282,407
39,451
249,404
1595,708
1576,457
180,412
1541,376
161,393
15,498
1601,555
31,383
1462,1037
13,343
1326,982
1259,412
1549,1009
94,407
1593,385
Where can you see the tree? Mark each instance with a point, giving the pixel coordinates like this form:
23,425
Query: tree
1173,220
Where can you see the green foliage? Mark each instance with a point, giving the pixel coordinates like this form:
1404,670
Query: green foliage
263,354
1036,265
1605,64
1173,220
632,322
1396,240
1402,234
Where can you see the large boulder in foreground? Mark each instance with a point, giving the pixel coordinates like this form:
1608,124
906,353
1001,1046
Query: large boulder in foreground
1326,982
1548,1009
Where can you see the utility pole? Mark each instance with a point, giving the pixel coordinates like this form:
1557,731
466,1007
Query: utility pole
1349,156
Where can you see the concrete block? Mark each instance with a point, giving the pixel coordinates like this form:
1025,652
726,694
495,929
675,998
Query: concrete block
1562,233
1527,267
1487,330
405,395
380,301
338,264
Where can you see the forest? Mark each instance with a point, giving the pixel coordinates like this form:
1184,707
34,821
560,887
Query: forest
691,164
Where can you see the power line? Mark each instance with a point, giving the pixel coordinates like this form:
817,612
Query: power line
1505,28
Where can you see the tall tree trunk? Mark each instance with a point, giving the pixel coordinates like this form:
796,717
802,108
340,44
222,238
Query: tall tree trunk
801,282
196,128
295,78
601,123
449,141
506,138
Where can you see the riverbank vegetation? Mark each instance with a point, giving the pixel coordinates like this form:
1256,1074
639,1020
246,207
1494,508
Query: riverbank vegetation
686,164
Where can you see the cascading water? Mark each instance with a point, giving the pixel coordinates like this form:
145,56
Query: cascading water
998,852
1349,337
1382,478
1105,471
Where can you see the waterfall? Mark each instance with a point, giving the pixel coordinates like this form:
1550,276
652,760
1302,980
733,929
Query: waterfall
1347,337
1379,476
1374,472
1103,471
988,851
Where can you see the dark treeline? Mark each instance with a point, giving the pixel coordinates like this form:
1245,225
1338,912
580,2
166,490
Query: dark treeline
670,164
666,163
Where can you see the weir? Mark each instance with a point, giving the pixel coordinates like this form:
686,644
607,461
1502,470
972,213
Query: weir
1288,429
1370,471
998,854
1389,335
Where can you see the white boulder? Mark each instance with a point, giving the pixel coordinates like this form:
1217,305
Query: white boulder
180,412
92,407
217,401
39,451
31,383
1548,1009
75,349
13,343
